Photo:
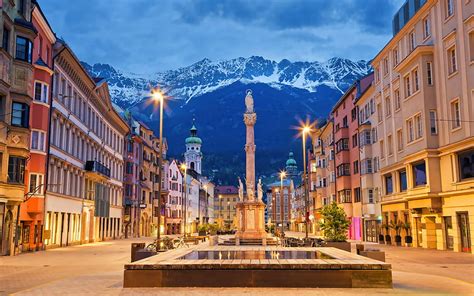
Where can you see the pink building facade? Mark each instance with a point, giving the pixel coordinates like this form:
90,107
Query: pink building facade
347,162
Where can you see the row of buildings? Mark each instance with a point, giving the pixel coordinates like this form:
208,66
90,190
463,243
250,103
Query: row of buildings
73,169
397,152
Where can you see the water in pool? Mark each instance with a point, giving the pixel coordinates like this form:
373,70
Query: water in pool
231,255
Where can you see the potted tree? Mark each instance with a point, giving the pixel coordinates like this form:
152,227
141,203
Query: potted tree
408,237
202,229
388,238
381,238
334,225
397,226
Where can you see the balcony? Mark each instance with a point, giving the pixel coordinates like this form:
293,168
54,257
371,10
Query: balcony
98,169
341,133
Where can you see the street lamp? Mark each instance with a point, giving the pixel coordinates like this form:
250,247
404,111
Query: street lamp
206,204
282,176
228,208
305,130
277,190
159,98
183,197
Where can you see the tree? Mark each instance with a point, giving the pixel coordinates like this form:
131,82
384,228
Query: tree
334,223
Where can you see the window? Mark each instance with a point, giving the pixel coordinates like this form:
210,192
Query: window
426,27
411,41
376,164
449,8
382,149
6,39
38,141
466,164
357,194
354,114
410,131
36,184
419,174
433,122
374,135
366,166
354,140
356,167
403,180
416,80
344,122
342,144
456,114
41,92
16,169
419,126
345,196
407,86
471,45
23,49
365,138
379,112
396,99
20,113
385,66
388,107
400,140
452,61
388,184
21,7
429,73
395,57
343,170
370,195
390,145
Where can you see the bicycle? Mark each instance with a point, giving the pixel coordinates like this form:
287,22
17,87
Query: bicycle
179,242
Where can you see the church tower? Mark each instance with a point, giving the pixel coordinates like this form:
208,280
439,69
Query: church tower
291,166
193,154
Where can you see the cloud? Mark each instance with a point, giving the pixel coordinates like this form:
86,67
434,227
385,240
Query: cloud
149,36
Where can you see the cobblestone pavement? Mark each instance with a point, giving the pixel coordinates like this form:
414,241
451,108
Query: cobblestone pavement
97,269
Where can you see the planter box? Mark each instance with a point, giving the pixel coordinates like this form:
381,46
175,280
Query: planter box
213,240
345,246
376,255
359,248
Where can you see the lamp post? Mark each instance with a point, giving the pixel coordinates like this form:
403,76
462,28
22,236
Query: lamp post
158,96
183,197
282,176
306,129
206,204
277,190
228,208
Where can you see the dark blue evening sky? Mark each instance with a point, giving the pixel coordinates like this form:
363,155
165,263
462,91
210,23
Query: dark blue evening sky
146,36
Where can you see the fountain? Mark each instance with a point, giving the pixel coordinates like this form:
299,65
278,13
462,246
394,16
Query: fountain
257,264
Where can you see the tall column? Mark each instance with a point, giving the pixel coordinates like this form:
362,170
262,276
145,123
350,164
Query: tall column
250,119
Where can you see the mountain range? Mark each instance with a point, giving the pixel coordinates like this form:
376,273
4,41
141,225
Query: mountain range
213,94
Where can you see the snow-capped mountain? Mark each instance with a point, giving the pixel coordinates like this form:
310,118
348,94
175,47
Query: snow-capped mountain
206,76
213,93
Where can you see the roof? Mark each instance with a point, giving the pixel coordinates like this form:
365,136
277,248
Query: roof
351,88
291,161
227,189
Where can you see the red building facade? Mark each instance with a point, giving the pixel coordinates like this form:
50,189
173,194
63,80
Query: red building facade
32,210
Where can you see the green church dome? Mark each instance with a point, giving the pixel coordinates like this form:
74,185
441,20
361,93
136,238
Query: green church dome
291,161
193,140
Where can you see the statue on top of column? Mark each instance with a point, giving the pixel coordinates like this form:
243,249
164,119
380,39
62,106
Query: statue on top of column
249,102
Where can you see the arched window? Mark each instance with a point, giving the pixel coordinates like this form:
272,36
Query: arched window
192,165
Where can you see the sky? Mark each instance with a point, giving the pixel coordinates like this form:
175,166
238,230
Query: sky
148,36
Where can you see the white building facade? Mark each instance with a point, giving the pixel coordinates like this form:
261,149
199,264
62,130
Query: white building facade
85,166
